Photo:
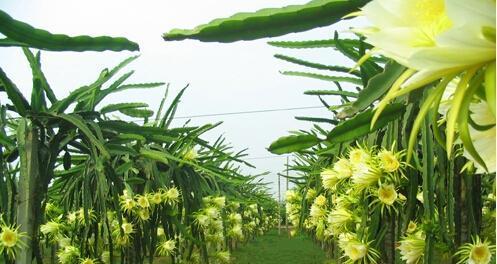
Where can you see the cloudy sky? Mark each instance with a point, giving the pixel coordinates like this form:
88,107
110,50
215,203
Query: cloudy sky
241,76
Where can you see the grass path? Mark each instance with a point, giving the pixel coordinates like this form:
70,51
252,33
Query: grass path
272,248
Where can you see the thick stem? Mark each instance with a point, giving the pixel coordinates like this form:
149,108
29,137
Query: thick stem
428,188
27,139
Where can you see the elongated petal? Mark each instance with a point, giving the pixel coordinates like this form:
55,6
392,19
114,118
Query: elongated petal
484,141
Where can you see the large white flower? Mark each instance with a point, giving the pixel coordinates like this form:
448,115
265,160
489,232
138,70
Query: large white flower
436,40
387,194
412,248
329,178
343,168
432,35
338,218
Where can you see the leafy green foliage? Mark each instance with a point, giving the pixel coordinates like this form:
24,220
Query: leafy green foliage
310,44
270,22
293,143
360,125
322,77
21,34
376,87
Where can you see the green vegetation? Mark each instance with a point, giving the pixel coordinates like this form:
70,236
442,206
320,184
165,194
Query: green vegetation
272,248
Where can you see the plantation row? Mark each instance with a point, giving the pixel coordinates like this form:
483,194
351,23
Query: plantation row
78,185
404,170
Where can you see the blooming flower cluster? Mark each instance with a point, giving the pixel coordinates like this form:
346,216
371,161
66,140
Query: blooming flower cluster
364,176
443,42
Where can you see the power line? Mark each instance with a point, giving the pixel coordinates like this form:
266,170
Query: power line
222,114
250,112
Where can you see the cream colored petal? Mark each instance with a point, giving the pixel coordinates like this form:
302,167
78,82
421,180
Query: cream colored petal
386,13
480,12
465,36
432,59
397,43
424,77
484,141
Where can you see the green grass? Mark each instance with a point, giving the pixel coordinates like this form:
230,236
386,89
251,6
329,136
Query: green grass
272,248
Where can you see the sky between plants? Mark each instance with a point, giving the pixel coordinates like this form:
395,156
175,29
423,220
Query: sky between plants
240,76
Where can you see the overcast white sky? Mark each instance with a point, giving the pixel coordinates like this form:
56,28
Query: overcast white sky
234,77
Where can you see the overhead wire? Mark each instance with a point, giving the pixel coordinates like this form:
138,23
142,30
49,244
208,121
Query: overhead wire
223,114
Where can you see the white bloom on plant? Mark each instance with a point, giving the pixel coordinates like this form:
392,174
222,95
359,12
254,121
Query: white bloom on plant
236,232
358,156
83,214
482,132
365,175
142,201
166,247
202,220
71,217
155,198
484,139
128,204
477,252
388,161
160,232
190,154
329,178
217,225
317,212
253,208
412,248
11,240
235,218
144,214
64,241
320,201
420,196
387,194
220,202
126,194
343,168
127,228
411,227
172,195
311,194
88,261
51,228
212,212
338,218
222,257
291,196
355,250
105,256
68,254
